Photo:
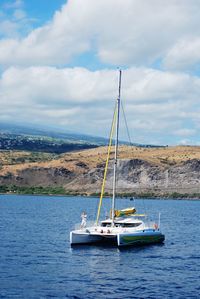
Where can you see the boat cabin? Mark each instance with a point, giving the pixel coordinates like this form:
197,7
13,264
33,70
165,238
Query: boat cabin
122,222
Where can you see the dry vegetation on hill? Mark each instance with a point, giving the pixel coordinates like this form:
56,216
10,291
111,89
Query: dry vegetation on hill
161,170
157,155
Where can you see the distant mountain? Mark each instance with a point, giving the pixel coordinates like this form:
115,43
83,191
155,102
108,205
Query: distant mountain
28,138
51,140
16,129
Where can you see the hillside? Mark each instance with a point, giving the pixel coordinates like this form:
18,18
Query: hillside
41,144
31,138
169,171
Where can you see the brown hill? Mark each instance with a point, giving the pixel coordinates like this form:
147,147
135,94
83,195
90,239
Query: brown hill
160,171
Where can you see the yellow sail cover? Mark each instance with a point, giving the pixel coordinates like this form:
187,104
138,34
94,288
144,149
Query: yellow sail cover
125,212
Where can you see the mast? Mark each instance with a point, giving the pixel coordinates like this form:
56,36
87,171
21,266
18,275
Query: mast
116,149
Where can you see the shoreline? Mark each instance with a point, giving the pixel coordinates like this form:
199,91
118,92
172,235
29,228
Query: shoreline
138,197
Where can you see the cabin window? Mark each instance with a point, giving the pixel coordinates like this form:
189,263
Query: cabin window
130,224
121,224
106,224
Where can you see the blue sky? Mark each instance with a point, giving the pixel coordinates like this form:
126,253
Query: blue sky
59,60
42,10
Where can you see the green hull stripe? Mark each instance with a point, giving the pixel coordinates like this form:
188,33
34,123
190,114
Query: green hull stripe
141,239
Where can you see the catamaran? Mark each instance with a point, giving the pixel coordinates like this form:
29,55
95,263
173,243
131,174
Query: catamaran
124,227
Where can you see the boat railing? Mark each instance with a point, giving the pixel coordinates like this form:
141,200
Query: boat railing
149,224
88,224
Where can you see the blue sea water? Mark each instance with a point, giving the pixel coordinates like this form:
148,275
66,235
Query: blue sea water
36,260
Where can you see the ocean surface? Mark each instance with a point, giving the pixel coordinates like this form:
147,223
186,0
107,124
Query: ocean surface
36,260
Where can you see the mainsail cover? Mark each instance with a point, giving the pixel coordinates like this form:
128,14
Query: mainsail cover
125,212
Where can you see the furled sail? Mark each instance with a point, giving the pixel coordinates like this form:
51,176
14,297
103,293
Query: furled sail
125,212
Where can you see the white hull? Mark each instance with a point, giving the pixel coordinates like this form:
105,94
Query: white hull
82,237
117,237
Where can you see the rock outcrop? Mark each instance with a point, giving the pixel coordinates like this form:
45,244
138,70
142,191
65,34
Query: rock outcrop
135,176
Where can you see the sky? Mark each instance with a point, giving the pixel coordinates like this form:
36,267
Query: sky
59,64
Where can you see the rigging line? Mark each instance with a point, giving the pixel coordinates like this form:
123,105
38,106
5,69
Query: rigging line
129,137
107,161
125,120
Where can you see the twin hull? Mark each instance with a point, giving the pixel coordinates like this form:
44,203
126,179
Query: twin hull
148,236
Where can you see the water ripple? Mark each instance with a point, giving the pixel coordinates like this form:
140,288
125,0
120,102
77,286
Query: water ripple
37,262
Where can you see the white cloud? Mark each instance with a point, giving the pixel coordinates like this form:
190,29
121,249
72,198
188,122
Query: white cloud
184,141
13,4
151,84
79,85
19,14
127,32
14,23
49,84
185,132
83,100
35,85
8,28
185,55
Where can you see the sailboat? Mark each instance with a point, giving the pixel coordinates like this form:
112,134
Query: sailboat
123,227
